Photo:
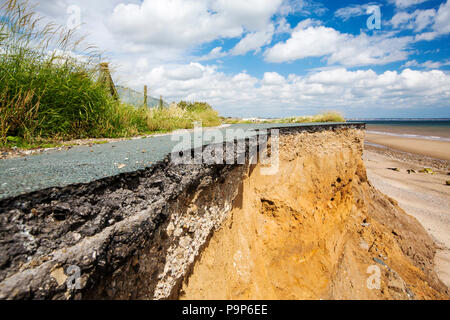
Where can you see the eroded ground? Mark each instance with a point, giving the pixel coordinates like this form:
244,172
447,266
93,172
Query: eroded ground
314,231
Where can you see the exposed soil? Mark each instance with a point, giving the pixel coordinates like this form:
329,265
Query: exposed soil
314,231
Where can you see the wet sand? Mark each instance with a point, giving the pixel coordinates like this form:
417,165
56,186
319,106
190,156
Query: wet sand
424,196
430,148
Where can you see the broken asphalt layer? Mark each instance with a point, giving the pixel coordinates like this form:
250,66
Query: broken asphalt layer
84,164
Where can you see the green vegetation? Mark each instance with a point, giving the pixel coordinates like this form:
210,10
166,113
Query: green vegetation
427,171
126,120
44,91
49,89
201,111
330,116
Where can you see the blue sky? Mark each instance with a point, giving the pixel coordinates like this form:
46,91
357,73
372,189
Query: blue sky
270,58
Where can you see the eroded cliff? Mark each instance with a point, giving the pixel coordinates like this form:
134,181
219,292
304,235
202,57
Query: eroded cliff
316,230
198,231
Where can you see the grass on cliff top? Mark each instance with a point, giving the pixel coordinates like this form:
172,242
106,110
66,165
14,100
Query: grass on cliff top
49,89
126,120
330,116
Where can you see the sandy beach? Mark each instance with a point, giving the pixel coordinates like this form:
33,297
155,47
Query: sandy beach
424,196
429,148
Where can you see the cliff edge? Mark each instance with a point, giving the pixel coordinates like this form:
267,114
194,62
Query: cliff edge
316,229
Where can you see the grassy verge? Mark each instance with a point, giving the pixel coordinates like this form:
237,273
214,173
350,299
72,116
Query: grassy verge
123,121
50,92
126,120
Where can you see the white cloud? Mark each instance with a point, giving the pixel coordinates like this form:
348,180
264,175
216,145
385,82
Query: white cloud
407,3
253,41
354,11
305,41
301,7
185,23
439,22
275,95
401,18
418,20
282,26
273,78
350,11
423,19
427,64
339,48
170,23
427,36
186,72
215,53
252,14
163,31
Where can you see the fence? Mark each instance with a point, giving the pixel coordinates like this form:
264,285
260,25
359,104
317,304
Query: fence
128,95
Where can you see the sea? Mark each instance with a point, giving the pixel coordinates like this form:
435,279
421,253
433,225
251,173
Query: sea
429,129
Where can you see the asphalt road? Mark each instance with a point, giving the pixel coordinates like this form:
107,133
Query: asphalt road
83,164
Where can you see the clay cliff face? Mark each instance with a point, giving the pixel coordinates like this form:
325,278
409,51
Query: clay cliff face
316,230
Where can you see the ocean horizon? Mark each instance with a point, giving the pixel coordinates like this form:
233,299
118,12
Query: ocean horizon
428,129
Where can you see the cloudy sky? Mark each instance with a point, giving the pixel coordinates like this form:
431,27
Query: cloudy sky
272,58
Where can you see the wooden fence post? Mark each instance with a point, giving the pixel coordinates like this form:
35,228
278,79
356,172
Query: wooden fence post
105,77
145,96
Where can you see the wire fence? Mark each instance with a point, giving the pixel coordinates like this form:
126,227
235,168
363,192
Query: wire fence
128,95
138,99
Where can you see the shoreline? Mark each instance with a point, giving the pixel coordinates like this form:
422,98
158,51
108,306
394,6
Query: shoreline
421,161
430,148
423,196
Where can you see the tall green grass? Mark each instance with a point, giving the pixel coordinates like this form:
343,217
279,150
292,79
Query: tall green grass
125,120
44,91
48,94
